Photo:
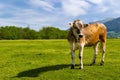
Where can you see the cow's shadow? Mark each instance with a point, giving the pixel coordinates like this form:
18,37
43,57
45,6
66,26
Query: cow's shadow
37,71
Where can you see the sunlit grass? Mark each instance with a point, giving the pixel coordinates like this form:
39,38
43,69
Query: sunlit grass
51,59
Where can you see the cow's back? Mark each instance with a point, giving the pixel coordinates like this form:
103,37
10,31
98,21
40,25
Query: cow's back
94,33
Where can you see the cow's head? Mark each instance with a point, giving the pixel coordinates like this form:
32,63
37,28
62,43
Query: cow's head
77,26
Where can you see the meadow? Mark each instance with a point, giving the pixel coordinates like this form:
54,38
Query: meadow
51,60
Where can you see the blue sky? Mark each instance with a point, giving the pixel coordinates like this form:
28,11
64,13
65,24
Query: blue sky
58,13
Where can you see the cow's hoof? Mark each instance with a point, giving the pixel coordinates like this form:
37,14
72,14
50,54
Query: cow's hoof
92,64
102,63
72,67
80,68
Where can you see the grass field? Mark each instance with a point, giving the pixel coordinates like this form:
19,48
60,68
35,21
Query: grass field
51,60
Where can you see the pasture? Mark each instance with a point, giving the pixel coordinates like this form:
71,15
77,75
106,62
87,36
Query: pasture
51,60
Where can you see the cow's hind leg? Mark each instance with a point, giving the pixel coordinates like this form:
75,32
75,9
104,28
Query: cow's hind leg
95,53
103,46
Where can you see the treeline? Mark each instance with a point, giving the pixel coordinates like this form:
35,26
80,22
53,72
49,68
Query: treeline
13,33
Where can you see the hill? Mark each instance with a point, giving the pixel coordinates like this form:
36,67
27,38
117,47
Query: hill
113,28
104,20
113,25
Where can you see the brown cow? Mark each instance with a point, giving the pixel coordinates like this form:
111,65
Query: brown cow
80,36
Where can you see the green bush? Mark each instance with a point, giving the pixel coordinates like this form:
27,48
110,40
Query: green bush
13,32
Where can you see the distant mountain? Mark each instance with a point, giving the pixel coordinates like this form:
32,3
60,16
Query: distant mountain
104,20
113,25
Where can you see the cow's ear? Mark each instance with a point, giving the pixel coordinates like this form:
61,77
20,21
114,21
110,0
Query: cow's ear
70,24
85,25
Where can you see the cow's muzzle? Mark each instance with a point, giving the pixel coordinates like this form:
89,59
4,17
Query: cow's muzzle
80,35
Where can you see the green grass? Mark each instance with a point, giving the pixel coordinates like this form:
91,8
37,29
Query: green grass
51,60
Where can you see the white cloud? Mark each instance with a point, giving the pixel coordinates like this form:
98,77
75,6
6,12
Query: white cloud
98,6
103,9
75,7
96,1
39,13
24,17
42,4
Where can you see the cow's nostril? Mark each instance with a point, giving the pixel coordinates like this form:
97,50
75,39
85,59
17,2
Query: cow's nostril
80,36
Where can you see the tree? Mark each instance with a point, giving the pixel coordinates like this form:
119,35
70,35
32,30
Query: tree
29,34
52,33
10,32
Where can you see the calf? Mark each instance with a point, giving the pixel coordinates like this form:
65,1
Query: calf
81,35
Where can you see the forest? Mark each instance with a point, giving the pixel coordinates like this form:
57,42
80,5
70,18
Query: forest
13,33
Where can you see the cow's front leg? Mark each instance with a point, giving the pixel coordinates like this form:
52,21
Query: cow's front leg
81,56
73,60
